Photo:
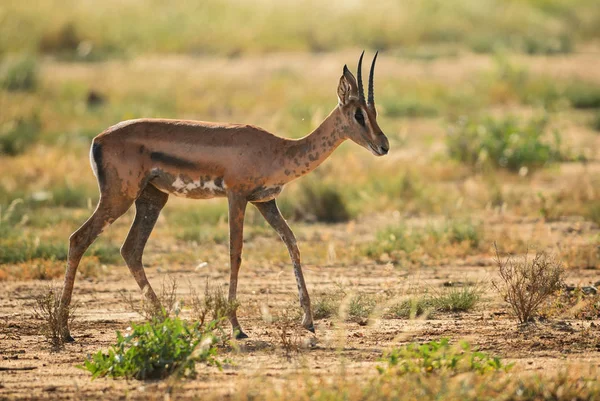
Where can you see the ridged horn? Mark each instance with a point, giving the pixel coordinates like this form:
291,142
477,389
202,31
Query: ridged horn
371,99
361,91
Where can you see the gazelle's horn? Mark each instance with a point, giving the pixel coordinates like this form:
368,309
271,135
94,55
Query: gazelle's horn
361,91
371,99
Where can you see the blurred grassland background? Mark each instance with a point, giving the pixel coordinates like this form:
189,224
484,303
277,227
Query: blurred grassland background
492,109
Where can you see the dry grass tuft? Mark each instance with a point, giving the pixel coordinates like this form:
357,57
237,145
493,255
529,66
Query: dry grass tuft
167,297
525,284
214,306
46,310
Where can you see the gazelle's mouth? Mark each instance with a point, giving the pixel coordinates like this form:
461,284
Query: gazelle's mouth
377,151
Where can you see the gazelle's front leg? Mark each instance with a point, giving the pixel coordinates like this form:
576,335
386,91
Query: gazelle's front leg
271,213
237,210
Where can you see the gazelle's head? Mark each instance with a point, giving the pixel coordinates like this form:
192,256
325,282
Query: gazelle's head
359,115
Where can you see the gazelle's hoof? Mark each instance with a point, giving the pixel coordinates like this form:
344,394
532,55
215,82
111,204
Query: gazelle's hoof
311,328
240,335
69,339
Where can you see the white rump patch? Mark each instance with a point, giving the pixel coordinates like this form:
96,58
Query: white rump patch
93,162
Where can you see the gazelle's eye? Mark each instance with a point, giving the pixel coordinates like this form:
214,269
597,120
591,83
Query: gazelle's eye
358,115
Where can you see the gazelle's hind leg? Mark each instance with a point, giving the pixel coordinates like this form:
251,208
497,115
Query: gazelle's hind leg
147,208
109,209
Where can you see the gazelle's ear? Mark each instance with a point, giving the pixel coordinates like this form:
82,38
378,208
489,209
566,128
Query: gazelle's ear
347,87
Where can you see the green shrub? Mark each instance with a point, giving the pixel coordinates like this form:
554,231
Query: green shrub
328,304
393,239
18,135
457,299
106,253
16,247
68,196
157,349
21,75
69,44
322,202
504,143
459,231
583,95
361,306
398,242
410,308
440,357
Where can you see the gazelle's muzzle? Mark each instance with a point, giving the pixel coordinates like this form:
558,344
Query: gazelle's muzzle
381,147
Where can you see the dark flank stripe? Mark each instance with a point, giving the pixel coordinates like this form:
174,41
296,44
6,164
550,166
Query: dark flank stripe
171,160
97,155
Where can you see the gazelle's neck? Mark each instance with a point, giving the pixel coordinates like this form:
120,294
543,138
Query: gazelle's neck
305,154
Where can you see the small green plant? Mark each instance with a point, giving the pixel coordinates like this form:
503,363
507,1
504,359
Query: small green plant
440,357
459,231
328,304
457,299
525,284
46,310
505,143
157,349
583,95
410,308
21,75
393,239
360,308
17,136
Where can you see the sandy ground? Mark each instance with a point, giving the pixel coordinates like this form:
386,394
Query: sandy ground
53,375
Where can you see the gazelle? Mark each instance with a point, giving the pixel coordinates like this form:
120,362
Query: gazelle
144,161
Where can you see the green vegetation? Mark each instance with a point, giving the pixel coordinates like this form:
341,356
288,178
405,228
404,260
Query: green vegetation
454,299
440,357
16,136
403,243
547,27
411,308
584,95
360,308
328,304
504,143
157,349
408,107
20,75
565,386
320,202
457,299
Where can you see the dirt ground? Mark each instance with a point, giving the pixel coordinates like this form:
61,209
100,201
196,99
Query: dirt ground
30,370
